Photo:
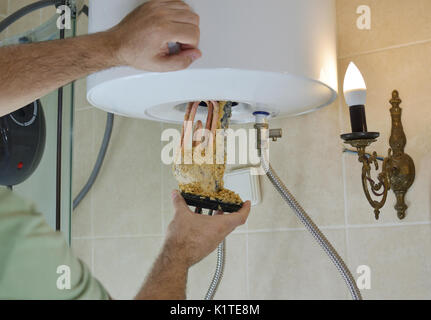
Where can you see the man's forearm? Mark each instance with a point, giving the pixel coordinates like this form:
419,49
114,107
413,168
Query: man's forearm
30,71
167,279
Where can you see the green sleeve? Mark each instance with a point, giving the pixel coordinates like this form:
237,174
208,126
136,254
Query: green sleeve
31,253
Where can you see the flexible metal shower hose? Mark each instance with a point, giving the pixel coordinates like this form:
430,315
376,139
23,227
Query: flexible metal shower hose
218,274
314,230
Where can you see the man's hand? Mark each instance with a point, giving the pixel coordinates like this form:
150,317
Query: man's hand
191,237
30,71
143,36
194,236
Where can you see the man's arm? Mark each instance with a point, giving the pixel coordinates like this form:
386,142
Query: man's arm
30,71
191,237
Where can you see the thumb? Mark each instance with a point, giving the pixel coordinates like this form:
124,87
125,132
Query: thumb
238,218
181,60
178,201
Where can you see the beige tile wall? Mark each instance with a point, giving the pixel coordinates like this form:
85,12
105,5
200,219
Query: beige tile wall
3,7
3,14
119,228
394,54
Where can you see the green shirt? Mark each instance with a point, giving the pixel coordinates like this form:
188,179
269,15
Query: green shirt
31,254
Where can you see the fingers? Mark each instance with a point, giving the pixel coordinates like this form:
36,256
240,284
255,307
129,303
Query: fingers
184,16
184,33
178,61
178,201
239,218
183,24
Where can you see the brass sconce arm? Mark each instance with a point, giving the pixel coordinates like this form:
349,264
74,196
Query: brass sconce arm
398,169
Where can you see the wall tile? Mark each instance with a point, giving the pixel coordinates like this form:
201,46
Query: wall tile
169,183
83,249
398,258
80,94
82,218
291,265
234,282
127,198
3,7
393,22
308,160
83,152
47,13
2,34
82,25
122,264
401,69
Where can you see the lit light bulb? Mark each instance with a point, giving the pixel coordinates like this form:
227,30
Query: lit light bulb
355,90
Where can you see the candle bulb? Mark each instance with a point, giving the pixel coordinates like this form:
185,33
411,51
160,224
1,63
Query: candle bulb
355,94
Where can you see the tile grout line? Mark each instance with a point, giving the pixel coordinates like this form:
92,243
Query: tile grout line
92,256
346,219
7,13
390,224
93,146
339,227
385,49
343,166
243,232
78,109
93,117
162,185
135,236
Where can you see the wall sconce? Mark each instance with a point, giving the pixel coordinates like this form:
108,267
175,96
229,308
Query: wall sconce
398,170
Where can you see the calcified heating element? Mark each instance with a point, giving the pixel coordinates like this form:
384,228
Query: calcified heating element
200,161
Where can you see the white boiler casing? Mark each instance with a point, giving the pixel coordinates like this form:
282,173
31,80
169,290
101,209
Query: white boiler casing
273,55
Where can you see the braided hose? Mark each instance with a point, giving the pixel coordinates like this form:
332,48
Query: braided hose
218,274
313,229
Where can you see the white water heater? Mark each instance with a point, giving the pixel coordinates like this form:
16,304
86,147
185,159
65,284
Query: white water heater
277,56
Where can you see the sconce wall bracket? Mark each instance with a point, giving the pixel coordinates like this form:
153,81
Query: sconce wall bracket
398,170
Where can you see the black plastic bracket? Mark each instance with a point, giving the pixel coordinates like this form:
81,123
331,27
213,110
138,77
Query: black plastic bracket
210,204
